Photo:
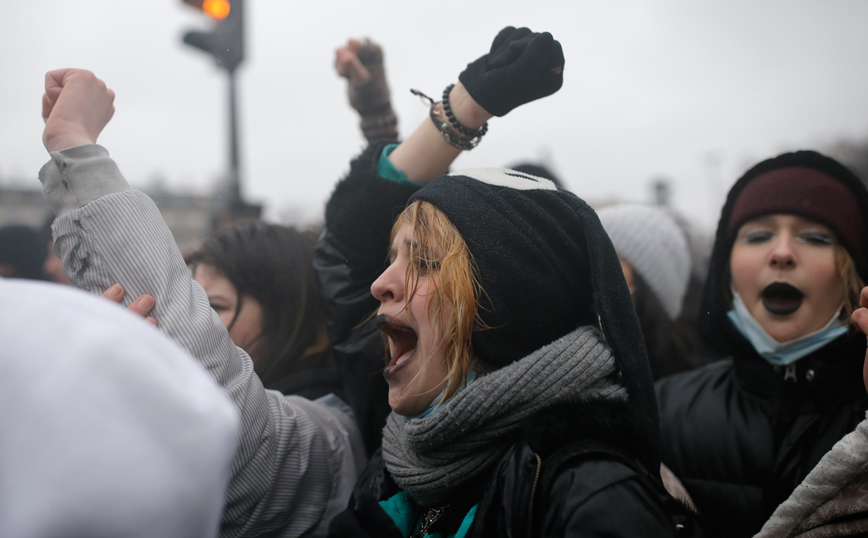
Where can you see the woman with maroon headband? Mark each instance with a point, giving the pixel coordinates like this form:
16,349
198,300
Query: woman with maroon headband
788,264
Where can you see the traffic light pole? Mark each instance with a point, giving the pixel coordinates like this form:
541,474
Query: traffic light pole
234,165
234,207
225,42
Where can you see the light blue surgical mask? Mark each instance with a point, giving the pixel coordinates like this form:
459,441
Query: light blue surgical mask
437,404
773,351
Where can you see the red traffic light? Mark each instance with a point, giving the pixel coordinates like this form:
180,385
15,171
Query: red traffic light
218,9
224,40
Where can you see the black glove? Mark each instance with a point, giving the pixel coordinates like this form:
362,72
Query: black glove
517,70
368,520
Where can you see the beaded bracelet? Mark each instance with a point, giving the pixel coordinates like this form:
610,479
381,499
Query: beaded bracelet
451,135
472,133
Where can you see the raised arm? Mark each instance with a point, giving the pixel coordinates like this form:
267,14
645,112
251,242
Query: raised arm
520,67
361,63
295,462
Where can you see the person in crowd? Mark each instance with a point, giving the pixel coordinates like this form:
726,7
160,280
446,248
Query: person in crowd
361,63
296,460
505,374
107,427
788,264
831,501
260,280
22,252
656,264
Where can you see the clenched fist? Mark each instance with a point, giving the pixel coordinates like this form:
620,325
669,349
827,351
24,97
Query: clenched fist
76,107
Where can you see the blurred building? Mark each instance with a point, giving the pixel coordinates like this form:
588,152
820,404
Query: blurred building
189,216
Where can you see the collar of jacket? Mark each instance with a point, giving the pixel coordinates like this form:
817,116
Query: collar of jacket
832,373
503,492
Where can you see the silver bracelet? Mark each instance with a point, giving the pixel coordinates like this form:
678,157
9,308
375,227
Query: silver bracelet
450,135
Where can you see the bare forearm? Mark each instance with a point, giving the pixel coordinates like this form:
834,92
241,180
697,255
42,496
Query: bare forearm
425,155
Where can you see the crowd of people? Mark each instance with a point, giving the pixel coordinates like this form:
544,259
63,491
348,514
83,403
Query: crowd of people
458,353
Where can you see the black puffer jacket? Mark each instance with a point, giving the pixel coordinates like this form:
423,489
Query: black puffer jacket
741,434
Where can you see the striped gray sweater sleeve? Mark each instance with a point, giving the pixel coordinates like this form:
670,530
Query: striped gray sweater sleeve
297,460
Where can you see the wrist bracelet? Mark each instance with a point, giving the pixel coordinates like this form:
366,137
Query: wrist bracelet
472,133
450,134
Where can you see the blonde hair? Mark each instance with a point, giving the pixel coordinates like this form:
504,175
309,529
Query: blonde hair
438,246
851,280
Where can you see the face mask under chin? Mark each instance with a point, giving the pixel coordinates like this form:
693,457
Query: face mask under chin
777,353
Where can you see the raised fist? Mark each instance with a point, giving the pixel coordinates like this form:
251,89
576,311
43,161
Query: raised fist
76,106
521,66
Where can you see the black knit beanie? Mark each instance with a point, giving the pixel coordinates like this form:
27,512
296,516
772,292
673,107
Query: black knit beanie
546,267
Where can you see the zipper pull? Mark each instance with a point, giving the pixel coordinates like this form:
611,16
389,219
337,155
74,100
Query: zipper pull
790,373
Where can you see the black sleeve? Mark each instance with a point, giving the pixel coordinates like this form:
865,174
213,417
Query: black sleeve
603,499
349,256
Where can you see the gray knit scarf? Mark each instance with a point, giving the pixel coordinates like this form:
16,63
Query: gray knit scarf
430,457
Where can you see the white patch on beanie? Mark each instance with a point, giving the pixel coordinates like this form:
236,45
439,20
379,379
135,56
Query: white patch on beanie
504,177
653,244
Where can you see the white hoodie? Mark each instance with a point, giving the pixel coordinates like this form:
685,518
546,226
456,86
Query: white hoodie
107,427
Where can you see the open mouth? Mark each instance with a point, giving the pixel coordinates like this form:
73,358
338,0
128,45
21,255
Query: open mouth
402,343
781,298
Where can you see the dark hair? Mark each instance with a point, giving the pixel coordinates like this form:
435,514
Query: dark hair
667,341
23,251
273,264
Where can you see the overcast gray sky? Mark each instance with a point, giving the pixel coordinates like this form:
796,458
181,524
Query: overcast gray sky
691,91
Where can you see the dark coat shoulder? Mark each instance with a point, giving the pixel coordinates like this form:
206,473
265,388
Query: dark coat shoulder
741,434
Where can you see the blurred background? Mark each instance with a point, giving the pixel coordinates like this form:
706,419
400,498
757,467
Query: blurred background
666,101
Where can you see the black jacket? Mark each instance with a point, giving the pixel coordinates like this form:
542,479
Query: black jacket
349,256
593,497
311,384
741,434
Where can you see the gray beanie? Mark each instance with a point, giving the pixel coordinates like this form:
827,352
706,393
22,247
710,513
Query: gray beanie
652,243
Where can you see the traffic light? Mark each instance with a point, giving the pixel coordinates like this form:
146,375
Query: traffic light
226,39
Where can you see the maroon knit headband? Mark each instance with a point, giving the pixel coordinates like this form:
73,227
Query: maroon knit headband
807,193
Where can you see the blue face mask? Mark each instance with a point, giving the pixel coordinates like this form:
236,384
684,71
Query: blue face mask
437,404
773,351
